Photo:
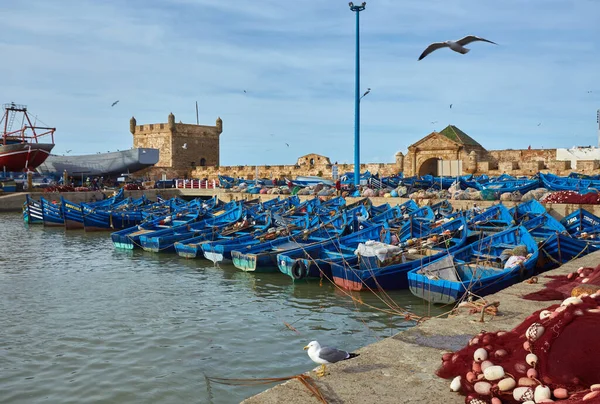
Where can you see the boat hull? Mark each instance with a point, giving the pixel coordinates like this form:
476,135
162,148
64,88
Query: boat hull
19,156
114,163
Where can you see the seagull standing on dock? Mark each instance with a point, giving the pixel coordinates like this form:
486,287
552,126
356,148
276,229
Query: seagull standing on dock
456,46
325,355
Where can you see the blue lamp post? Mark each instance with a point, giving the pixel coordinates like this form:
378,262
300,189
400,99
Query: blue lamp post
357,97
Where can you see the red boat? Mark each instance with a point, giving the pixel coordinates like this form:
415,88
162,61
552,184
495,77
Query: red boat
26,148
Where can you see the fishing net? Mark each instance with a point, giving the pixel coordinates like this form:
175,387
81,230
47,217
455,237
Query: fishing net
552,354
562,286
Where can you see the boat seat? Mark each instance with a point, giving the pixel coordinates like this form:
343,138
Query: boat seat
486,257
506,246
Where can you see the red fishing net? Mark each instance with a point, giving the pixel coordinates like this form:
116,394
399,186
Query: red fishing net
561,286
591,198
552,356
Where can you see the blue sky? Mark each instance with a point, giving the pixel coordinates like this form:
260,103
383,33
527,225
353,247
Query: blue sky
68,60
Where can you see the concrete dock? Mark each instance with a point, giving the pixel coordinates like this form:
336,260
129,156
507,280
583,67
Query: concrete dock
401,369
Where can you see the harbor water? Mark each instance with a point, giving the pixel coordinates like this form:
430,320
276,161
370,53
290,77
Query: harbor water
83,322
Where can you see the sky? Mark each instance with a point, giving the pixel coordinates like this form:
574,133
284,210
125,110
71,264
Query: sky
69,60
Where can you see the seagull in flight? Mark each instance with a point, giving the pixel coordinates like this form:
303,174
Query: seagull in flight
539,124
287,144
450,106
325,355
115,103
433,122
244,91
456,46
69,151
184,146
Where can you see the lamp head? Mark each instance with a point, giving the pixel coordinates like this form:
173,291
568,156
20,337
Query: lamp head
351,4
364,3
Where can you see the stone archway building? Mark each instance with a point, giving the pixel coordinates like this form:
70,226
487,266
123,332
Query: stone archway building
449,145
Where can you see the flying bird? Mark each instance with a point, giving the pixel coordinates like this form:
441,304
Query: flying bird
184,146
456,46
69,151
244,91
115,103
287,145
434,122
325,355
539,124
450,106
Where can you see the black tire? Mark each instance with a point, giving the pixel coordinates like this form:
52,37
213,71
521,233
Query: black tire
299,270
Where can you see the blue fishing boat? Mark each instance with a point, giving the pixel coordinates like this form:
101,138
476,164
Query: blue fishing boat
32,211
120,215
583,225
308,181
493,219
73,213
522,186
314,261
543,226
164,240
526,210
129,238
561,248
263,257
481,268
221,248
581,185
375,273
52,212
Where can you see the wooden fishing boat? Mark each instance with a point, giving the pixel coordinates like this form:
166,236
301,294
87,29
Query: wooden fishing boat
52,213
314,261
221,249
581,185
561,248
521,186
32,211
583,225
368,273
73,214
526,210
120,215
180,214
164,240
263,257
493,219
480,268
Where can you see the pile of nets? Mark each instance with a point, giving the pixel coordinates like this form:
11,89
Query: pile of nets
514,196
536,194
590,198
562,286
552,356
133,187
60,188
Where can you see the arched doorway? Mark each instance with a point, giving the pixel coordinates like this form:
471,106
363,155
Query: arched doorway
429,166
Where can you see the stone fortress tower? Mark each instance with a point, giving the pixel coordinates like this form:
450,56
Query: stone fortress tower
183,147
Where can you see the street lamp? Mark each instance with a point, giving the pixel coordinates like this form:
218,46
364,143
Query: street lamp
357,97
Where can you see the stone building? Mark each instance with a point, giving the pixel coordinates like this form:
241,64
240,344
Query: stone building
451,145
183,147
